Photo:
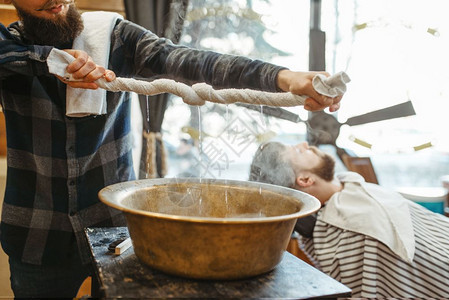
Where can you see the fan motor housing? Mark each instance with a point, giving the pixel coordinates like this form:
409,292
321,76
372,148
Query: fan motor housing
323,128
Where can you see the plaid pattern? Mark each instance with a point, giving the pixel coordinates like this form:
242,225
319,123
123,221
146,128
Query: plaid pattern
56,164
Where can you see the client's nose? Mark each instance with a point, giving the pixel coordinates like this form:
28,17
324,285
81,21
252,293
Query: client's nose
302,146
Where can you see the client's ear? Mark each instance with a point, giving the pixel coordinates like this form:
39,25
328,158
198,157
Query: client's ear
305,180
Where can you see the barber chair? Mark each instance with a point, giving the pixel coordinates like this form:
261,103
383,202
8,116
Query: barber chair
293,248
361,165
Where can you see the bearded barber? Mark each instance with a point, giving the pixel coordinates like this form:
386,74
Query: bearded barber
57,164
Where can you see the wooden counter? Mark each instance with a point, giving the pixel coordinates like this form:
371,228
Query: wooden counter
124,276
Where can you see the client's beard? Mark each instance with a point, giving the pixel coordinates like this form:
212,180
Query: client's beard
326,168
57,32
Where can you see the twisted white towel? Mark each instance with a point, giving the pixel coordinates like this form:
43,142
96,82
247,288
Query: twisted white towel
82,102
197,94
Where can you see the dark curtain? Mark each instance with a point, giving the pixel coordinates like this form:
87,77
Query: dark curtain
165,18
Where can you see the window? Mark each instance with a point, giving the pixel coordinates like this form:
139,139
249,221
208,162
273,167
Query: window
229,135
394,51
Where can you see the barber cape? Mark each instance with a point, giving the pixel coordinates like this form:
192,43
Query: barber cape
374,211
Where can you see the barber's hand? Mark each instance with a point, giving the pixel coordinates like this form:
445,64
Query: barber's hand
300,83
83,68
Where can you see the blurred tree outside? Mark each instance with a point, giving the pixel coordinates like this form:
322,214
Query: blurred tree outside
226,26
213,24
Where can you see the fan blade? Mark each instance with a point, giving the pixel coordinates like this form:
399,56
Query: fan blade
396,111
276,112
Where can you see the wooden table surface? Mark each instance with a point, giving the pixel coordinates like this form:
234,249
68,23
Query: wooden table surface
124,276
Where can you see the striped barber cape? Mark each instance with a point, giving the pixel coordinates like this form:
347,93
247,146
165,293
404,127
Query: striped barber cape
372,270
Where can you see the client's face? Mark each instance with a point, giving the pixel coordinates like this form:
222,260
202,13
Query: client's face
49,22
312,159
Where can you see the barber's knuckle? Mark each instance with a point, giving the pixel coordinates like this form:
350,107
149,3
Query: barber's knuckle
323,100
82,60
91,65
309,102
75,76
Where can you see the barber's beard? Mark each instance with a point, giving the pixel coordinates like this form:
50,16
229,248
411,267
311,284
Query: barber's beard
60,31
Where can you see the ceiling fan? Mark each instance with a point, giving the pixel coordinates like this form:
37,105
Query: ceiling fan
324,128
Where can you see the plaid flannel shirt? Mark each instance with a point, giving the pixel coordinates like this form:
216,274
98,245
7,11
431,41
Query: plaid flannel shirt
57,164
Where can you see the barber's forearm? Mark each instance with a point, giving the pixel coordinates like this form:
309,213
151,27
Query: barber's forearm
221,70
154,56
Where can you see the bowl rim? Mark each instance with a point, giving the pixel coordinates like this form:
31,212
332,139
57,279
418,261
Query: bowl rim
113,194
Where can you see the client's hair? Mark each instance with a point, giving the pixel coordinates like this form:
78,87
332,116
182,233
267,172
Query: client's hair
269,165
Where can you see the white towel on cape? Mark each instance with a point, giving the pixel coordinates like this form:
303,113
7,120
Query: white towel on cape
374,211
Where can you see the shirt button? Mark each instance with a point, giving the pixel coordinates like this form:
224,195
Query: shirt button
72,213
71,148
72,182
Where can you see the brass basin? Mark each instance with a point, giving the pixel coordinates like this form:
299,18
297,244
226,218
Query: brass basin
207,228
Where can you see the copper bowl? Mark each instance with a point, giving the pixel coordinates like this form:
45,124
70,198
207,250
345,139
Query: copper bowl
207,228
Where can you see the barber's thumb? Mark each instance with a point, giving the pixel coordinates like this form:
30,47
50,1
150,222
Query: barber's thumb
109,75
327,101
